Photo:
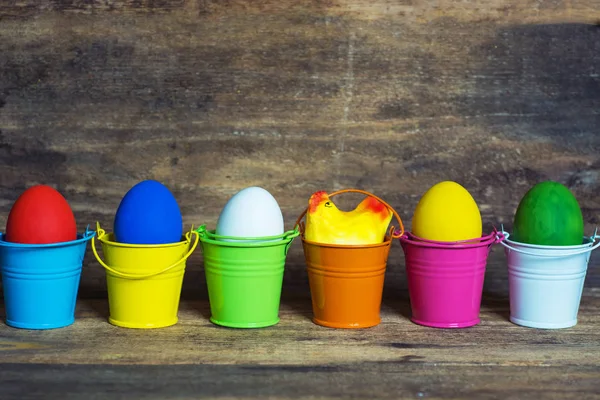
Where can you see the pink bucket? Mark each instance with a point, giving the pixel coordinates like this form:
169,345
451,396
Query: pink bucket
445,279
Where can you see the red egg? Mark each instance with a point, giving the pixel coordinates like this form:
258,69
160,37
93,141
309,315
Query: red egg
41,215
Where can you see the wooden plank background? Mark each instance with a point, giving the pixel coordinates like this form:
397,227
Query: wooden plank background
211,96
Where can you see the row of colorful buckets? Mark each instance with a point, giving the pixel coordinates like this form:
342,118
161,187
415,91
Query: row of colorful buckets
244,278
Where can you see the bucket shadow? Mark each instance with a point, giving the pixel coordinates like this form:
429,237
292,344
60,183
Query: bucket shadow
395,288
298,302
495,287
295,292
496,304
195,293
399,306
98,307
202,307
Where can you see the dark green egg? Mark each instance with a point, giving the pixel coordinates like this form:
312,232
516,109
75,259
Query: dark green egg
548,214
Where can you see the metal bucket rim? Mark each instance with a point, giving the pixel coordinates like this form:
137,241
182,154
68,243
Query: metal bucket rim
109,239
81,238
550,251
590,242
482,241
385,243
208,236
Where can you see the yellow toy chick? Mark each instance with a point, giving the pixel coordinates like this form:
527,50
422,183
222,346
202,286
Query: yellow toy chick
366,224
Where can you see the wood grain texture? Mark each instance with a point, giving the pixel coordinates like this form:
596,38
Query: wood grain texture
297,359
211,96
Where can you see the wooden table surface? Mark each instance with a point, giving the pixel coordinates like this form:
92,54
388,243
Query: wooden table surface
297,359
212,96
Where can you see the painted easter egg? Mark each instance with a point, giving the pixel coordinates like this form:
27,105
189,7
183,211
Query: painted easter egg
148,214
41,215
548,214
447,212
252,212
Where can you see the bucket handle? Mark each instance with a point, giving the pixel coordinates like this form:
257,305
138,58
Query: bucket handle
574,253
290,237
395,234
102,233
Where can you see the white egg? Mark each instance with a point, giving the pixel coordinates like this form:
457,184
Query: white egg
252,212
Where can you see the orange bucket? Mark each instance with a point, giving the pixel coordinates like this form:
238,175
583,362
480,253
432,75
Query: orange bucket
346,281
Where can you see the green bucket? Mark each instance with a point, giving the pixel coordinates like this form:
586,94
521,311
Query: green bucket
244,277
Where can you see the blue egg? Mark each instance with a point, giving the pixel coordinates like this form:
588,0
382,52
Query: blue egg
148,214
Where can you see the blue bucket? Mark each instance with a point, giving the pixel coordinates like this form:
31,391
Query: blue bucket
40,282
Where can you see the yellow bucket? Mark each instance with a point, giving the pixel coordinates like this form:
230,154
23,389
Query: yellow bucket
143,281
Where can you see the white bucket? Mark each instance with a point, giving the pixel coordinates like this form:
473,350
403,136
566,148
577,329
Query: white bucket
546,282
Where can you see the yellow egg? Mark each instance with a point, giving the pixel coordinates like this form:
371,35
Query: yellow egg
447,212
